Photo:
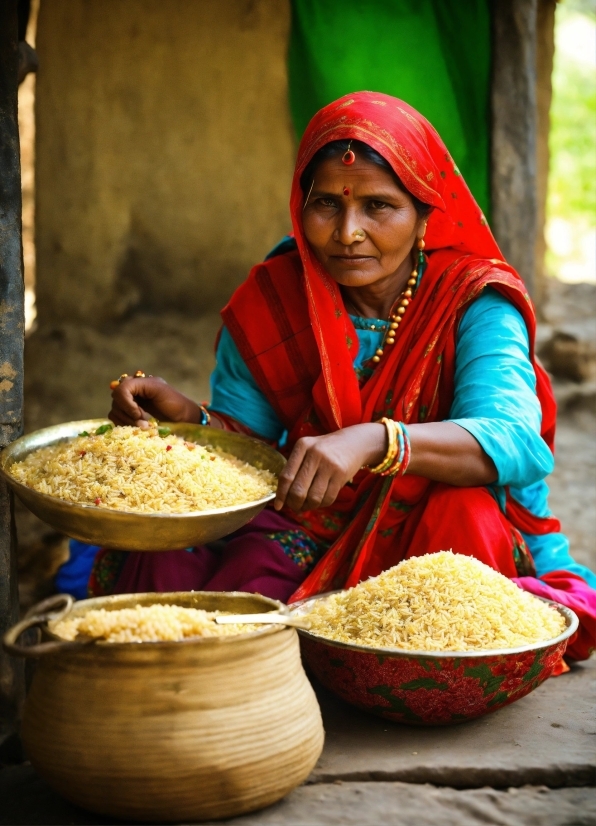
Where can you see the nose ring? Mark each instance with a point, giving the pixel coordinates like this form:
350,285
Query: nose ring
359,235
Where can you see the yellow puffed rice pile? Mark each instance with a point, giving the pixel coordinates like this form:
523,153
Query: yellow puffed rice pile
146,623
129,469
439,602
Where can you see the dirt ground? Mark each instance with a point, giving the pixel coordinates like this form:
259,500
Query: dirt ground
573,484
567,345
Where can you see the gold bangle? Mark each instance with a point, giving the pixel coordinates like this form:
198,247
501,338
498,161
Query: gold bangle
395,465
389,457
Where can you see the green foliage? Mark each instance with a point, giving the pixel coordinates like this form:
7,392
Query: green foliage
587,7
572,179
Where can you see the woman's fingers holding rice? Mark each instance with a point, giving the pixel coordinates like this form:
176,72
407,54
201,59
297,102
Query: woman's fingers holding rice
120,418
135,400
126,409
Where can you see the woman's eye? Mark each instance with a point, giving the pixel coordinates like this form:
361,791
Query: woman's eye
378,204
327,202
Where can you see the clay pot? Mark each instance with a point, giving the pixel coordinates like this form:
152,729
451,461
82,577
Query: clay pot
158,732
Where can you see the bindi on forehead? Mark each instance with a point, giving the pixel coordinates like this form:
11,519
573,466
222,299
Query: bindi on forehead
346,191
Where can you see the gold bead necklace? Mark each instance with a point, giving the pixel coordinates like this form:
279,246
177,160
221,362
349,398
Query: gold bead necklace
403,302
395,318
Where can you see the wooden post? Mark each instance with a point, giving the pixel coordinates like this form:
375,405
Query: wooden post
12,328
514,129
545,52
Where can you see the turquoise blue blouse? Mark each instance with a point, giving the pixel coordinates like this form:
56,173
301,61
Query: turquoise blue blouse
495,400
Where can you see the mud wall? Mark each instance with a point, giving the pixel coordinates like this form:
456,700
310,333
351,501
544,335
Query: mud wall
164,153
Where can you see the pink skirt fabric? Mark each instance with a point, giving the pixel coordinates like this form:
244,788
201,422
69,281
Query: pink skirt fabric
249,561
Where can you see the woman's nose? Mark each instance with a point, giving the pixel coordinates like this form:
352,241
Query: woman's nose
348,229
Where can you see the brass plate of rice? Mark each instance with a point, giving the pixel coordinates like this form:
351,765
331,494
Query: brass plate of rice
129,489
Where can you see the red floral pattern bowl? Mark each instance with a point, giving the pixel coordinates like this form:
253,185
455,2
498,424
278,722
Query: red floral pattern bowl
430,688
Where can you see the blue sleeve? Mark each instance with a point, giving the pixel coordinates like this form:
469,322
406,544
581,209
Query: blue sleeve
235,392
550,552
495,390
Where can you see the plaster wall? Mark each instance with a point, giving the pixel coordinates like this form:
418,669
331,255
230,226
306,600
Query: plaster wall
164,153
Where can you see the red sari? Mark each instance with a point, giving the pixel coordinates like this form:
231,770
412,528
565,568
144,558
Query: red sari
290,325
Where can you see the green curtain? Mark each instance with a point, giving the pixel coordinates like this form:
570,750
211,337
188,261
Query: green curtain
434,54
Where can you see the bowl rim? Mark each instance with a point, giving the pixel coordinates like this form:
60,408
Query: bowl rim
6,455
570,616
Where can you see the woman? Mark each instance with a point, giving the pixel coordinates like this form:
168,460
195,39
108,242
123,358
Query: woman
392,301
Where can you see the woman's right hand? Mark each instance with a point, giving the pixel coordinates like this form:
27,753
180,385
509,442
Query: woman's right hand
136,400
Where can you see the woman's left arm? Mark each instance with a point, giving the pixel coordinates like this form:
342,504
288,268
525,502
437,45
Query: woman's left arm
319,466
493,432
446,452
495,397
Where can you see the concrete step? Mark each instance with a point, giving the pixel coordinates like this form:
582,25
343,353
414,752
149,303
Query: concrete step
26,800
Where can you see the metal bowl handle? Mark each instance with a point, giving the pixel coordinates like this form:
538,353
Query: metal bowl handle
51,609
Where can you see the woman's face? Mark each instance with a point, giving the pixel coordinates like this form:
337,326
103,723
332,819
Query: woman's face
360,224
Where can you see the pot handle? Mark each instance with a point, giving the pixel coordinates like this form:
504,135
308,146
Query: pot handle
53,608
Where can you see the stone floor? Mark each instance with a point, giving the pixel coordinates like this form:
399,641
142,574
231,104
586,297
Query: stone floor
530,764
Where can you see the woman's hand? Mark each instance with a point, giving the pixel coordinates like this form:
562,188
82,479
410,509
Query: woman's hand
135,401
319,466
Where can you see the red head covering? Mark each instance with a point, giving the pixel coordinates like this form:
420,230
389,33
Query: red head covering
420,159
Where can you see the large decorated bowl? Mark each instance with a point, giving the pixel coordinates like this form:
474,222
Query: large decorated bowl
430,688
141,531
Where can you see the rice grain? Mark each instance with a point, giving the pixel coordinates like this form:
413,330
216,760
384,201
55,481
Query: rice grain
129,469
438,602
147,623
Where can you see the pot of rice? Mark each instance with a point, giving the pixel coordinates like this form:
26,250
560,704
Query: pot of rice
174,485
435,640
143,708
